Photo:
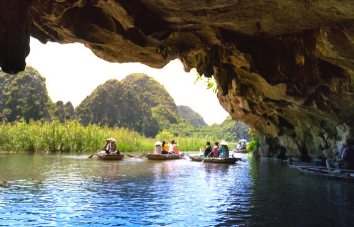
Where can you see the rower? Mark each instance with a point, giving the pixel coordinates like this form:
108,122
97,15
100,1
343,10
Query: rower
158,147
107,146
223,150
113,147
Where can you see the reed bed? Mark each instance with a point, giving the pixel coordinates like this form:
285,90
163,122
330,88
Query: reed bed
74,137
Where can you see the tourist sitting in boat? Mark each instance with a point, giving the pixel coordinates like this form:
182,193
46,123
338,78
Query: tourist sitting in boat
244,146
342,158
239,146
158,148
215,149
208,149
172,147
223,151
164,148
113,147
107,145
201,150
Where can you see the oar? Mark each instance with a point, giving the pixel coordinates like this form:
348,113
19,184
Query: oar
128,155
207,156
92,155
138,156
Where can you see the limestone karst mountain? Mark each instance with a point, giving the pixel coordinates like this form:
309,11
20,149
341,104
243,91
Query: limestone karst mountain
156,97
24,95
137,102
190,115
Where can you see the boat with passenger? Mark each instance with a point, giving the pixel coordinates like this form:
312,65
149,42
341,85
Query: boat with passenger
243,151
164,156
197,158
103,156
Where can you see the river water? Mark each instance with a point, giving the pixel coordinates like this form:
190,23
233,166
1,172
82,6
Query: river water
72,190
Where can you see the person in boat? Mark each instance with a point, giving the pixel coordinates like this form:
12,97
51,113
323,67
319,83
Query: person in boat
342,158
172,147
223,151
113,147
158,148
164,148
201,150
244,146
239,146
107,146
215,149
208,149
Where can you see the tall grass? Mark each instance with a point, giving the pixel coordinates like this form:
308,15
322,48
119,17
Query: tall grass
72,136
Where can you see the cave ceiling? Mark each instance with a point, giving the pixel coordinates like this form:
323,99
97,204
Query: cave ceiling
284,67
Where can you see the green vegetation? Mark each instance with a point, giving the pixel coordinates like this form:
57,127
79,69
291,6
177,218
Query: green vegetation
72,136
190,115
23,95
229,130
116,104
210,82
133,111
156,97
254,144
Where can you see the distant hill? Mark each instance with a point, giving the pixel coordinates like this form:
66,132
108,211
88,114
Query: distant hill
24,95
190,115
116,103
152,93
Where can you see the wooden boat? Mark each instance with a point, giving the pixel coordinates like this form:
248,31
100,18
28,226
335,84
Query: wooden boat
103,156
340,174
163,156
214,160
244,151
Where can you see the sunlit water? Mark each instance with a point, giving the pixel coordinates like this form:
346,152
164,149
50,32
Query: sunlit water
72,190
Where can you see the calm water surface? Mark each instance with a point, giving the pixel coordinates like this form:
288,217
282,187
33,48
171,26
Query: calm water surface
72,190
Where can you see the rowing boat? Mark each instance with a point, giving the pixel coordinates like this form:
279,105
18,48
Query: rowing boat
241,151
341,174
214,159
163,156
103,156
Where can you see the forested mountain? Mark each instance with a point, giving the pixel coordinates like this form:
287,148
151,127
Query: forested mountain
137,102
153,94
24,95
116,103
190,115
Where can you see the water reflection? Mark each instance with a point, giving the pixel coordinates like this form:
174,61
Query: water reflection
69,189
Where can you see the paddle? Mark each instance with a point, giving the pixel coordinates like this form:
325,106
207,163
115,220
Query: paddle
138,156
207,156
128,155
92,155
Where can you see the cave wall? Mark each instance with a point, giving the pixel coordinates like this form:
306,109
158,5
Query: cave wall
285,67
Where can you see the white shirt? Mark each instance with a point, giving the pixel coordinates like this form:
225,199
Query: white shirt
172,147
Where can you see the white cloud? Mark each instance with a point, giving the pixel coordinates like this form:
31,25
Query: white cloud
72,72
